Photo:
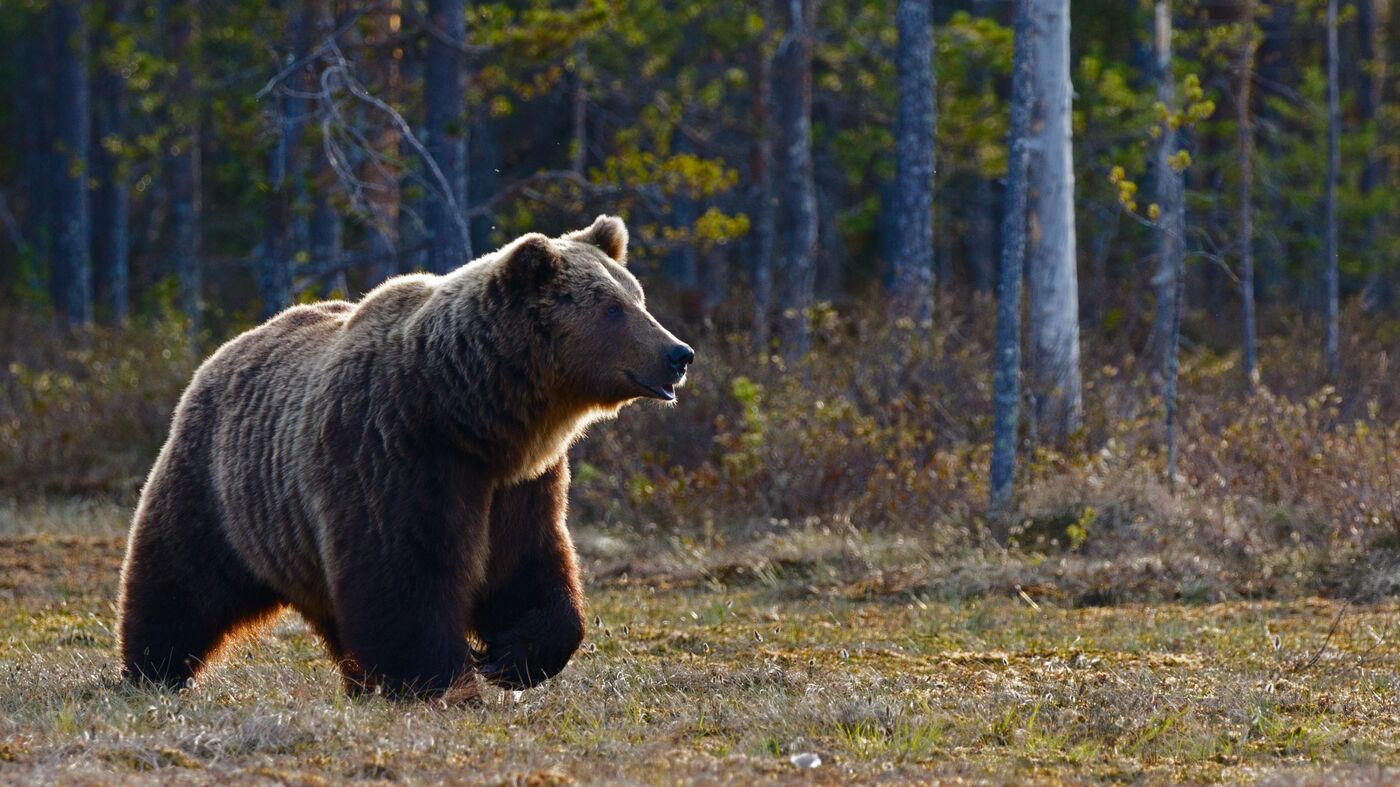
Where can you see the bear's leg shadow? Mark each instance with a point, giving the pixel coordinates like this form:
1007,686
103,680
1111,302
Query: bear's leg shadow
184,589
530,617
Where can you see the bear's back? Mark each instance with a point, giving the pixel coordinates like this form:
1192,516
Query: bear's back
260,386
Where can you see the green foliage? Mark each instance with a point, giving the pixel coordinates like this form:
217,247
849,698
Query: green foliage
973,55
671,125
1195,108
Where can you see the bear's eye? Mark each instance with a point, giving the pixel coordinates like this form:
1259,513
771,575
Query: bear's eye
614,312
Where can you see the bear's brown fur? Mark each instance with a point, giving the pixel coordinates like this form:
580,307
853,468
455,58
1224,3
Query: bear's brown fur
395,470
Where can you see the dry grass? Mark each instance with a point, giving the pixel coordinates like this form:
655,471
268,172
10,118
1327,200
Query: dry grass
689,677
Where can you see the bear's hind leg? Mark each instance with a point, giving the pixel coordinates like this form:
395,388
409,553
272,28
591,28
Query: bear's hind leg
352,678
183,592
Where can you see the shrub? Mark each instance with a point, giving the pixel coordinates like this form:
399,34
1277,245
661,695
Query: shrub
884,428
87,413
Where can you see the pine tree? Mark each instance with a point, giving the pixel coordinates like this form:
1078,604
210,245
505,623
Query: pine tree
445,129
1007,394
72,265
914,148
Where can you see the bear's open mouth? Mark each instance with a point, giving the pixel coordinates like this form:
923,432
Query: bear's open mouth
666,393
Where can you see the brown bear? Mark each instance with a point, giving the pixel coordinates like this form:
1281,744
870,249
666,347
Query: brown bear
396,471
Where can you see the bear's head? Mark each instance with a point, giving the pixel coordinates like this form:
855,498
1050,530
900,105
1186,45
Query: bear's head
605,346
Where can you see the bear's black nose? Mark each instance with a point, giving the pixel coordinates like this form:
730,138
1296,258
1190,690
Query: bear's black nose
680,357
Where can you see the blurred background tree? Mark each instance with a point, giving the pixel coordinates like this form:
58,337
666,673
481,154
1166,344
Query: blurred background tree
216,162
212,143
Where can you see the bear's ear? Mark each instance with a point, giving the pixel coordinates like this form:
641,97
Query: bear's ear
531,262
607,233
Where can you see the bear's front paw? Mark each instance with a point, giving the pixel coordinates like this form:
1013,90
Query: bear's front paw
519,665
536,649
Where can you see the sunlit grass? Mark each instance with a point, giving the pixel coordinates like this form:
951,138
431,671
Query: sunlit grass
726,682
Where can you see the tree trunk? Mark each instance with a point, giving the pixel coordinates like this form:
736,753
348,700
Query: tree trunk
1371,21
383,194
1245,125
325,233
111,204
1169,192
285,170
36,147
714,279
1007,395
417,185
1332,349
832,260
1169,282
274,277
982,246
914,139
1275,66
797,200
449,244
183,160
1173,361
1053,278
326,244
71,280
765,225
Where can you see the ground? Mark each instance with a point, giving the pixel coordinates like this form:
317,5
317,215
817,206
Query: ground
723,676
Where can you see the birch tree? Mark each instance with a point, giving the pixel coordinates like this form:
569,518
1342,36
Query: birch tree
1169,182
1331,349
1053,282
1245,129
797,199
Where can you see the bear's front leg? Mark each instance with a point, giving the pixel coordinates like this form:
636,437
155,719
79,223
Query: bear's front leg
403,584
404,636
530,617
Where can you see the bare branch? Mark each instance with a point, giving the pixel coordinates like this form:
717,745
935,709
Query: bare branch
311,57
341,68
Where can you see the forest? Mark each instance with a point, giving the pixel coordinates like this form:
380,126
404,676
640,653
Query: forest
1045,406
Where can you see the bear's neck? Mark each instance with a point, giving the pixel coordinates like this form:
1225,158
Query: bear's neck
485,386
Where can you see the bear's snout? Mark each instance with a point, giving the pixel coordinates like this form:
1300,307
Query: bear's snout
680,358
